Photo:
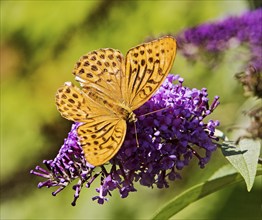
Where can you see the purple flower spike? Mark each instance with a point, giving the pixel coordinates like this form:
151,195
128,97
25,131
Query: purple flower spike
215,38
68,165
170,131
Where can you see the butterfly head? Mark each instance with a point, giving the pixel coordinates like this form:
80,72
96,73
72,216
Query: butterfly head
132,117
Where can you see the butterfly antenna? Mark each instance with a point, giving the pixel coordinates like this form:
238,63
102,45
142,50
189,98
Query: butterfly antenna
149,113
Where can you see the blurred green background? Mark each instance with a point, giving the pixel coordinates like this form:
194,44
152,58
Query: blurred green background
40,43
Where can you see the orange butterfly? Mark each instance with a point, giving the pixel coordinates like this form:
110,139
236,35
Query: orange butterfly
113,86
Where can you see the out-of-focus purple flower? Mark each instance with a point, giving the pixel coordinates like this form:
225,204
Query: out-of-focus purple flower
214,38
170,130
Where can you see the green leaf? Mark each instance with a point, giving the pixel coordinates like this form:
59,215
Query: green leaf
244,157
224,177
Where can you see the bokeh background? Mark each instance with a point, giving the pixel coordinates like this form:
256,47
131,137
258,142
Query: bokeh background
40,43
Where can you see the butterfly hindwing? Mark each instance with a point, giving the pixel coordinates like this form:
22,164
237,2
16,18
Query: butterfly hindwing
147,65
101,133
102,139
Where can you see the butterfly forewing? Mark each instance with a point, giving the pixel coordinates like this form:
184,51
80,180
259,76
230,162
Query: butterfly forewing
75,105
71,103
147,65
102,70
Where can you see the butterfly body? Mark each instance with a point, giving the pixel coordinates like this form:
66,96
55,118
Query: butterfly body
113,86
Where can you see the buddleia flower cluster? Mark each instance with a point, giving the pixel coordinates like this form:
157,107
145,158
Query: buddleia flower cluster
171,131
211,40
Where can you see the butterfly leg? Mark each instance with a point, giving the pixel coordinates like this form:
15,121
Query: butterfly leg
137,143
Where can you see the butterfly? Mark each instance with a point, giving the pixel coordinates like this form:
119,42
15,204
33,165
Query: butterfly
113,86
